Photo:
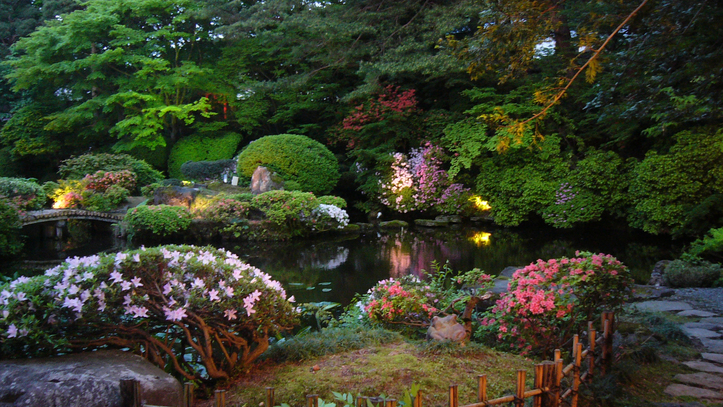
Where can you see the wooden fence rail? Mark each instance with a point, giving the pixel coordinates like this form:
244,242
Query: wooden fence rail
547,391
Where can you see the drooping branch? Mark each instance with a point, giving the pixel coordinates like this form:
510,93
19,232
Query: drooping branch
582,68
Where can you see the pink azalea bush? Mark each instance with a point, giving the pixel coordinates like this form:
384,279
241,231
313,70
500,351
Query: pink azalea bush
417,182
102,180
199,310
549,301
406,300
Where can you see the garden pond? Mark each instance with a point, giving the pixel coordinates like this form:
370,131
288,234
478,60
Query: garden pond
335,267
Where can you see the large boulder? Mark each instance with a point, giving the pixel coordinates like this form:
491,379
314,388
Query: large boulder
175,196
90,379
264,180
656,277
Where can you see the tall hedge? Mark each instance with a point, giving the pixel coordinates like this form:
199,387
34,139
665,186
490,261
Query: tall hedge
296,158
201,148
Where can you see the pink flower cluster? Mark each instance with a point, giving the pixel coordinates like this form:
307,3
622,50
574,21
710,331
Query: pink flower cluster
102,180
403,300
548,301
418,182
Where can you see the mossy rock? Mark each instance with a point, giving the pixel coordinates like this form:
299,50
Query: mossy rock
431,223
352,228
394,224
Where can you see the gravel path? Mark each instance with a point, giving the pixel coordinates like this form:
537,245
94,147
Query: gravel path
708,299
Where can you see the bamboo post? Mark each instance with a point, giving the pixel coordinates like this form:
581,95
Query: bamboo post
390,403
312,400
557,388
576,375
418,399
482,388
219,398
607,351
188,394
575,341
453,396
537,400
591,354
361,401
520,393
376,401
270,393
551,397
130,390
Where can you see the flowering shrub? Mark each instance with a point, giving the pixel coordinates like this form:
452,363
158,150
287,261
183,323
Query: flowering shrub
406,300
25,194
157,220
224,210
549,301
573,205
418,183
177,305
327,217
102,180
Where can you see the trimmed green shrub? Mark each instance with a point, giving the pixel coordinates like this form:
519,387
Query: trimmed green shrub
10,242
157,220
164,302
201,148
79,167
288,208
296,158
664,187
679,273
712,243
26,194
207,170
332,200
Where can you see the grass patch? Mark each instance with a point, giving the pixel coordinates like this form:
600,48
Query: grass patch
389,369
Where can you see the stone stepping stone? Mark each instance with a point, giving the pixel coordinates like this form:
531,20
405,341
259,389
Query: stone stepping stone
704,366
663,306
703,325
696,313
713,345
713,320
682,390
701,379
712,357
701,333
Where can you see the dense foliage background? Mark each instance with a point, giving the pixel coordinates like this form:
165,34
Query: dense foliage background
636,137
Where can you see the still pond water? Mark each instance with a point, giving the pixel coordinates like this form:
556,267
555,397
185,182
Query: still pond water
335,268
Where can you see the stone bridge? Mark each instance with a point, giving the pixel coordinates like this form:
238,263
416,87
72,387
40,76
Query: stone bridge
56,215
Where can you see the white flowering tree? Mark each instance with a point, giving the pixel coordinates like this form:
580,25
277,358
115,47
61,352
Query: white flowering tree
182,306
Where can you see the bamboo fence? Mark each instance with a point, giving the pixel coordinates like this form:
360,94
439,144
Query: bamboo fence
548,390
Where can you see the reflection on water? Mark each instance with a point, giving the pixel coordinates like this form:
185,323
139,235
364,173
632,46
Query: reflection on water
335,268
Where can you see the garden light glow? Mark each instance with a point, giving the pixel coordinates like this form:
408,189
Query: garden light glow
481,238
479,203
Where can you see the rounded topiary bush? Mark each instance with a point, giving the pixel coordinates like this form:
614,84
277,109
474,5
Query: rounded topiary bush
201,148
10,242
157,220
168,303
79,167
296,158
679,273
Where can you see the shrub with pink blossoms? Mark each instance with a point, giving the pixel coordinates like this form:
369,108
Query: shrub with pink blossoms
102,180
181,306
550,301
406,300
417,183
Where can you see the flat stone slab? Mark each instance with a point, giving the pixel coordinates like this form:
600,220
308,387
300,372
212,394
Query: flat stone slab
713,345
701,379
704,366
662,306
682,390
703,325
501,286
701,333
713,320
697,313
713,357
